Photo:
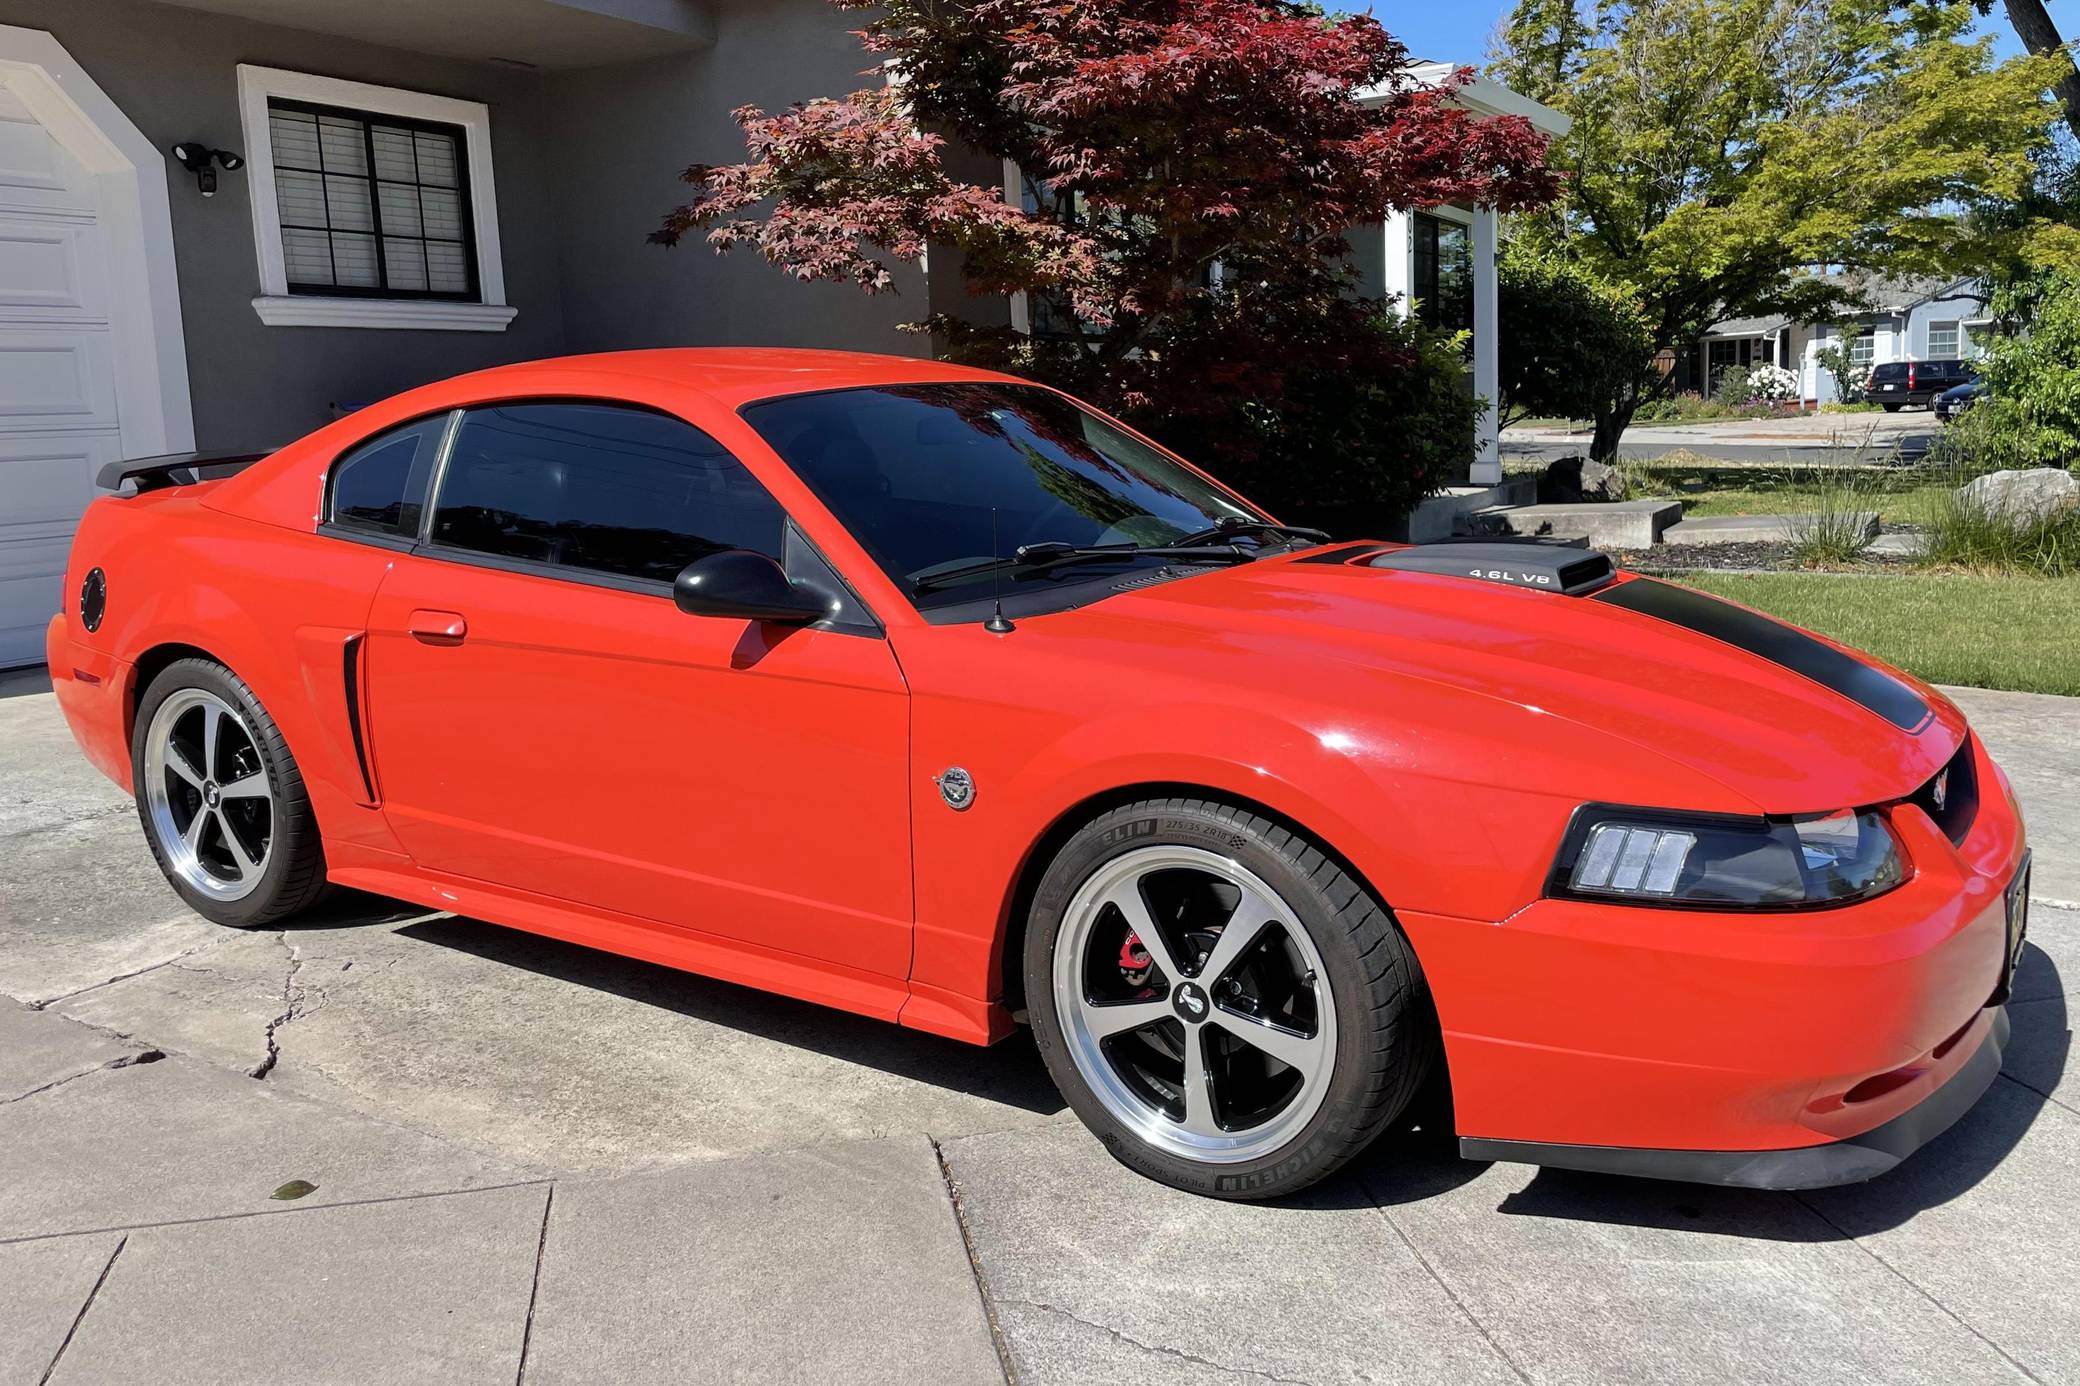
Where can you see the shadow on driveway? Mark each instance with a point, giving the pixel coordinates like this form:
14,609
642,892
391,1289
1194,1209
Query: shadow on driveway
1415,1161
1009,1072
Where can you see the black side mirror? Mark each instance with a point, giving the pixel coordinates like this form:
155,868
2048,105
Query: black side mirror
747,586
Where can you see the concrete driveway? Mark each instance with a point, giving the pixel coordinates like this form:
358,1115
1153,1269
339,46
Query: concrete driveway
533,1163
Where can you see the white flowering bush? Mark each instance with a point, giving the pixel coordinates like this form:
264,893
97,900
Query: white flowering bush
1772,383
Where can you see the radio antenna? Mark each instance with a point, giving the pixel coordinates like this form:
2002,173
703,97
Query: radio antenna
996,624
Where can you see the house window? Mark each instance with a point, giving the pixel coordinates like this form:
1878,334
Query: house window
1862,348
1443,273
372,206
1943,341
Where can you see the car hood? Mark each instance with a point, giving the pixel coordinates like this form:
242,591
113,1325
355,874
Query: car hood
1781,740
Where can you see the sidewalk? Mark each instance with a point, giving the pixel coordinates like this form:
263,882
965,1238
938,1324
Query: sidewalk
532,1163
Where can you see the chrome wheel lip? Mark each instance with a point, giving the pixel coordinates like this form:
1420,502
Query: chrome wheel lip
179,839
1084,1043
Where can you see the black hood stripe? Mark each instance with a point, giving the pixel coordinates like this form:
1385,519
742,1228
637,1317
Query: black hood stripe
1775,642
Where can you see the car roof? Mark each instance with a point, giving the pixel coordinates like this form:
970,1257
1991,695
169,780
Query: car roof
730,376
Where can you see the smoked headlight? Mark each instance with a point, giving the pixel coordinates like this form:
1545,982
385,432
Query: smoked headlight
1720,861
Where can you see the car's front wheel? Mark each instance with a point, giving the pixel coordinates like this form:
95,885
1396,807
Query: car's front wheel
1220,1001
221,799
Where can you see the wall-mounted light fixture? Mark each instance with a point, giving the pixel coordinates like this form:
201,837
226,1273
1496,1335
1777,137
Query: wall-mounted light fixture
202,161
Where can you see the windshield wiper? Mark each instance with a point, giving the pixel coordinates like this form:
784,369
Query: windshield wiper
1230,526
1054,554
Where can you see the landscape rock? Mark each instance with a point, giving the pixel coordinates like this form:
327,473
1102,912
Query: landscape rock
2024,498
1573,480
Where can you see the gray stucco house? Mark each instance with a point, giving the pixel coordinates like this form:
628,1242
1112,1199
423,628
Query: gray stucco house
191,191
1903,319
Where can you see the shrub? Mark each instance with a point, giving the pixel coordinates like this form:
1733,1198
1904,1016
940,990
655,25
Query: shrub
1732,388
1962,532
1834,359
1772,383
1988,437
2035,373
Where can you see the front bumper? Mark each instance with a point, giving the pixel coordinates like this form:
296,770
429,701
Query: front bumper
1846,1161
1610,1036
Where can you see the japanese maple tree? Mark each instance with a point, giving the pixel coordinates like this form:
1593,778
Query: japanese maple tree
1190,168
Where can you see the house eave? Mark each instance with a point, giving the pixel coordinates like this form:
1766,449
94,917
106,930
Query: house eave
1481,95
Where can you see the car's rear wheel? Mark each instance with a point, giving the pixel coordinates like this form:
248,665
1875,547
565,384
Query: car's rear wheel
221,799
1891,408
1221,1002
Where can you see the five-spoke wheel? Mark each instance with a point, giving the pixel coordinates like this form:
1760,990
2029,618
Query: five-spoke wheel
1194,1004
221,798
1225,1006
206,788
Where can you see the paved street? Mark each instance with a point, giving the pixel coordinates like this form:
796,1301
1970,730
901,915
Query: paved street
528,1162
1806,439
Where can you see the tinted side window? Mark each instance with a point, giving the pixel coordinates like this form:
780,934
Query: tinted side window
381,485
601,487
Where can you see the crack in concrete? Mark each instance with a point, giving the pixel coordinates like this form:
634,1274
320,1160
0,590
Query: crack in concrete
49,1001
534,1290
960,1220
1494,1343
143,1056
80,1317
1801,1198
292,1007
1111,1332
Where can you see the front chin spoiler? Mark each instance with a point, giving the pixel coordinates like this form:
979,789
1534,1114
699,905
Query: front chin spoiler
1808,1167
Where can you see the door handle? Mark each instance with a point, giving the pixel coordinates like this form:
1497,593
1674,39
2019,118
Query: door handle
437,627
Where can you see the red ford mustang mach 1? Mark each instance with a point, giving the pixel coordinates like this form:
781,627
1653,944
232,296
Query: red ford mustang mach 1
934,695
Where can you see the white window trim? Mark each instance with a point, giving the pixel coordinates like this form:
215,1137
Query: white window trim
278,307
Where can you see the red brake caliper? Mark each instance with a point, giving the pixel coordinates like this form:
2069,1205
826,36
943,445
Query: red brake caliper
1134,961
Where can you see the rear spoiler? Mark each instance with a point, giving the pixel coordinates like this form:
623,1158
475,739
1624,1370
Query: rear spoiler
175,469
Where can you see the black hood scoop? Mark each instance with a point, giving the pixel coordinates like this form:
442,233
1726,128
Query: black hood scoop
1567,569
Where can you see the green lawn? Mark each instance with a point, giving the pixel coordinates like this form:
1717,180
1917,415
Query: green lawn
1990,632
1708,488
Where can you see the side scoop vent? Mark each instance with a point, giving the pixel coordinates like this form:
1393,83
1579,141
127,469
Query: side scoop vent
1562,568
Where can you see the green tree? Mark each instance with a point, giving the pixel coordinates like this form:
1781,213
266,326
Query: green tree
2035,373
1573,339
1720,148
1189,168
2039,34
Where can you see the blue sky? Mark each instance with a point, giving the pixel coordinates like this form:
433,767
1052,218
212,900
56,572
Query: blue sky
1458,30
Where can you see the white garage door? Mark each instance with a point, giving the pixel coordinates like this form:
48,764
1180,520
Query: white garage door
57,372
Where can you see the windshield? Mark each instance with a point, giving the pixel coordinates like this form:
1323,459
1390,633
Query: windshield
918,474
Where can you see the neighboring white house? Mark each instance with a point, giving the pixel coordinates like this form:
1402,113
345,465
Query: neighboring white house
1907,320
1439,262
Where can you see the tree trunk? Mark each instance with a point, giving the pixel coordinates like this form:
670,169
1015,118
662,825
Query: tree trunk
1610,427
2040,36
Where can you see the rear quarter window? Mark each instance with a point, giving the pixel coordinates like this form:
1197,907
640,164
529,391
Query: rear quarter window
380,486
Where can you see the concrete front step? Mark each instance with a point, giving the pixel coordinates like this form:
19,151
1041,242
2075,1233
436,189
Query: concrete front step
1444,514
1614,524
1756,529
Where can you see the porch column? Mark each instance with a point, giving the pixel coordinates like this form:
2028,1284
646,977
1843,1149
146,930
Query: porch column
1487,373
1397,270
